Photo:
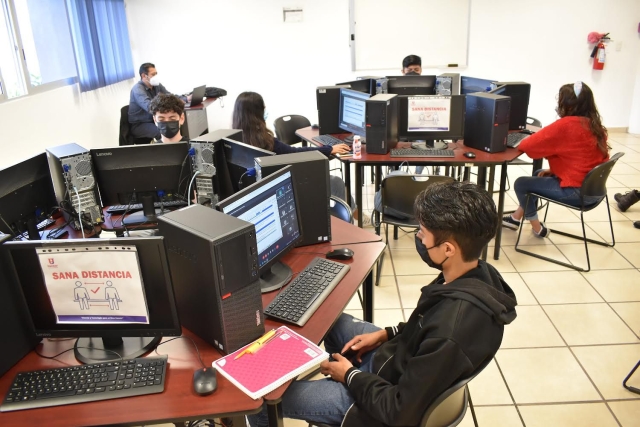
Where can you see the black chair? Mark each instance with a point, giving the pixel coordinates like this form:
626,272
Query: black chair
534,122
286,127
594,185
125,136
629,387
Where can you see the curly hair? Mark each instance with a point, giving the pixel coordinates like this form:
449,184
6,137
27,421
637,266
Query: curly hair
166,103
460,211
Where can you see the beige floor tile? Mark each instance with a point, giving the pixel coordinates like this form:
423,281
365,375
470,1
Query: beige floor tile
407,313
630,313
503,265
589,324
602,258
582,414
496,416
623,169
488,388
532,328
628,413
354,302
408,262
560,287
527,238
600,214
405,240
289,422
608,365
523,293
387,266
616,285
570,227
523,262
630,180
387,317
631,251
633,214
386,294
550,375
559,214
410,288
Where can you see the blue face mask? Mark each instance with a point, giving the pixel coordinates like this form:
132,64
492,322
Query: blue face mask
265,115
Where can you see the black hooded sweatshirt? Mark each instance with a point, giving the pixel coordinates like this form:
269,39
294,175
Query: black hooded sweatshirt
455,329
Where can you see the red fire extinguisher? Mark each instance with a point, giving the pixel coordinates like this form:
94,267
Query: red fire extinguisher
599,56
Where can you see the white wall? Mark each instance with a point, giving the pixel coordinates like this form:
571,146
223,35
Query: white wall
244,45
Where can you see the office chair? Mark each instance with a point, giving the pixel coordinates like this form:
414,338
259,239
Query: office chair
286,127
632,389
594,185
125,138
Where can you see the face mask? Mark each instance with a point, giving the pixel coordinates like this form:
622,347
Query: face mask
154,81
424,254
412,73
169,129
265,115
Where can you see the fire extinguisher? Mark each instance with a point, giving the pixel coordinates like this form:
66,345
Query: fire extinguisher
599,56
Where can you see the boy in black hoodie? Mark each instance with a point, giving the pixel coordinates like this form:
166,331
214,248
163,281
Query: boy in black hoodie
456,328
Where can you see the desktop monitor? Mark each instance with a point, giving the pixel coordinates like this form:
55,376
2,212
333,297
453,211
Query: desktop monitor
114,295
363,85
272,207
474,85
240,158
26,196
352,112
431,118
519,93
412,85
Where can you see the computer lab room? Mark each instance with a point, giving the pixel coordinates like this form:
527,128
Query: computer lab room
273,213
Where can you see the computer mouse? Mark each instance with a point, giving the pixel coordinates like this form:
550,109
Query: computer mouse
342,253
470,155
205,381
527,131
315,127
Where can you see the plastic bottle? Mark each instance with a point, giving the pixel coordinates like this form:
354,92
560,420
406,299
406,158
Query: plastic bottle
357,147
378,87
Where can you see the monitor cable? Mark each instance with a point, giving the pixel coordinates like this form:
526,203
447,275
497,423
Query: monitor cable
79,211
73,348
190,186
185,337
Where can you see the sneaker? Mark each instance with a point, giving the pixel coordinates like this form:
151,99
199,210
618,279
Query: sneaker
544,232
636,224
509,222
625,201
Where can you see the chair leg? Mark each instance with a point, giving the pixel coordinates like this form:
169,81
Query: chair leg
360,298
379,270
473,412
395,232
613,238
586,246
628,387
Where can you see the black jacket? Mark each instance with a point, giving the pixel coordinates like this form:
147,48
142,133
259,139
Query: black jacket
454,329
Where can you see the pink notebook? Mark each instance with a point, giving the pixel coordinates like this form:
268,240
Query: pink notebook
281,359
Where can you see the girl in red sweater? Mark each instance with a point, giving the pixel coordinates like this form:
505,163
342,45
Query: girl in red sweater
573,145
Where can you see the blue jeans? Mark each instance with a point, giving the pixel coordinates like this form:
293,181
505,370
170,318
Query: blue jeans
548,186
323,401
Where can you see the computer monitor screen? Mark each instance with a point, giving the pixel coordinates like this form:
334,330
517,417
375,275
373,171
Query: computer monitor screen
411,85
473,85
352,111
271,206
364,85
519,93
26,195
126,174
431,118
117,289
240,157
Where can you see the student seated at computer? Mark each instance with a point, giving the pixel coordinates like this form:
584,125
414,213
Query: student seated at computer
249,114
456,327
411,66
141,123
168,115
573,145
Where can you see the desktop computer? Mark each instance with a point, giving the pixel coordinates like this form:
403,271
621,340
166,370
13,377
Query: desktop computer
74,183
474,85
487,121
214,265
381,123
352,113
311,178
239,159
431,118
328,103
519,93
411,85
448,84
361,85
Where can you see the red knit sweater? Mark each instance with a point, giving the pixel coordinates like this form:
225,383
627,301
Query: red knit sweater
570,148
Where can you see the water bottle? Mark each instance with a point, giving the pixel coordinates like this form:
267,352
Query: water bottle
378,87
357,147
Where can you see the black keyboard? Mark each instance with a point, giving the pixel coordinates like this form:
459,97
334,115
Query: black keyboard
329,140
120,209
41,226
298,301
411,152
86,383
514,139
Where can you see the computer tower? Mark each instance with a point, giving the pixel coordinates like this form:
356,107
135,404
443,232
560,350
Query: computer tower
382,123
213,260
487,121
311,177
448,84
328,101
74,182
16,336
519,93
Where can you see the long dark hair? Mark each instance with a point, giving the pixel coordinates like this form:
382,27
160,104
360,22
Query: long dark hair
248,115
583,105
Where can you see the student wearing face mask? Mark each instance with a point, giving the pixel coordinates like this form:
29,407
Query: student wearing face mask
411,66
141,120
168,115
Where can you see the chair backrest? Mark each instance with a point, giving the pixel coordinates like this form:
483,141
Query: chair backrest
124,126
450,407
595,183
340,209
534,122
286,127
399,192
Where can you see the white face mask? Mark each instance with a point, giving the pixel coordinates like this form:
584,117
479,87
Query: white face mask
265,115
154,81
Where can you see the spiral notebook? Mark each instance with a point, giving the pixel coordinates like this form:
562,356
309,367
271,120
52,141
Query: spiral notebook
279,360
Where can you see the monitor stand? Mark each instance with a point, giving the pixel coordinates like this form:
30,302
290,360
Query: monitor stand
149,213
429,144
349,140
92,350
275,278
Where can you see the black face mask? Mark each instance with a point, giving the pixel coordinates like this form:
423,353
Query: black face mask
412,73
169,129
424,254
